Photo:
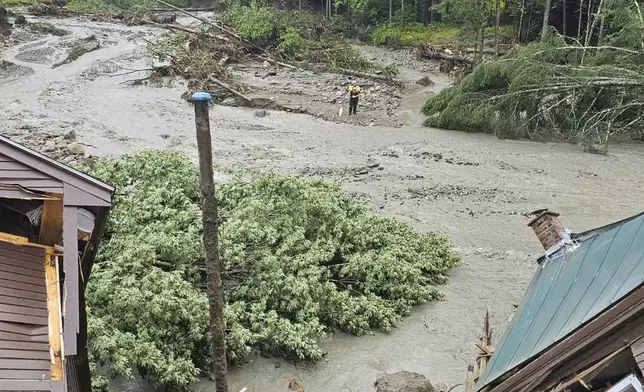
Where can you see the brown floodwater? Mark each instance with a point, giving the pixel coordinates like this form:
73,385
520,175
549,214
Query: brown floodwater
474,188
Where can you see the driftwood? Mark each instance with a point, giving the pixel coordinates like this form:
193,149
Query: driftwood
366,75
171,27
164,18
273,61
212,24
227,87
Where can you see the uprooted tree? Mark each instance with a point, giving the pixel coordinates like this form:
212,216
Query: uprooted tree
300,258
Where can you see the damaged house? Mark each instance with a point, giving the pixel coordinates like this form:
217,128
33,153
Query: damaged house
51,218
580,325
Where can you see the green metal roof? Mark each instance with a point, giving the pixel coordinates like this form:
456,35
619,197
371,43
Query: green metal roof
569,290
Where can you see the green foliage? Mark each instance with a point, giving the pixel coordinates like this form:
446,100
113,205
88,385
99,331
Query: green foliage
470,15
292,45
338,53
254,22
507,34
300,257
300,35
348,26
554,90
14,3
414,34
48,28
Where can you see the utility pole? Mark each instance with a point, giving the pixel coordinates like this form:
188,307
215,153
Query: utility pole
210,219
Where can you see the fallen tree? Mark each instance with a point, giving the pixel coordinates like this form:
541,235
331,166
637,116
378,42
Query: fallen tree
300,258
556,90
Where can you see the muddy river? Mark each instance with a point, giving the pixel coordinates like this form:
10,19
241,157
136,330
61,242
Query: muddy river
475,188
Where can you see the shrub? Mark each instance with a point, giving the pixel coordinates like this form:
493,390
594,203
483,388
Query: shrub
414,34
255,22
292,45
48,28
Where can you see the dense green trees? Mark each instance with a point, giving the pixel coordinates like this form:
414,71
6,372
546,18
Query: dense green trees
300,256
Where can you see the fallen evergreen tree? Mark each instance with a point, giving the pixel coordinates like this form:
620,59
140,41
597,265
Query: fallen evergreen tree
301,257
557,89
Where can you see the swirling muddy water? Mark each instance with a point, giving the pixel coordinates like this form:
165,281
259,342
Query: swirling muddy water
474,188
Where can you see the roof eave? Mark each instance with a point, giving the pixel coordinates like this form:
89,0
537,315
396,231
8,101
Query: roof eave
84,176
520,375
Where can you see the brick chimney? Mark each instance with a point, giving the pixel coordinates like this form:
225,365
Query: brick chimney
549,230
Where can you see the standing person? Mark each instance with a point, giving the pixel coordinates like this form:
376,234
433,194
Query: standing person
354,96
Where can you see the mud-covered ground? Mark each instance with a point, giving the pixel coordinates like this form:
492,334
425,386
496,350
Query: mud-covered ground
475,188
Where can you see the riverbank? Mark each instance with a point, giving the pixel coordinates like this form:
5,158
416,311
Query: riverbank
474,188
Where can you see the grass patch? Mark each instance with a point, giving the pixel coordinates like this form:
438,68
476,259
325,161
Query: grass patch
14,3
48,28
114,6
414,34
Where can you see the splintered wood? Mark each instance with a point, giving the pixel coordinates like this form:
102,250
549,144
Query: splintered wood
53,307
483,357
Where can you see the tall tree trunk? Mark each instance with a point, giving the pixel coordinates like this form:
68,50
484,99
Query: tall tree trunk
210,219
424,11
590,27
431,11
481,37
546,20
581,13
564,30
402,12
600,37
497,28
391,10
519,35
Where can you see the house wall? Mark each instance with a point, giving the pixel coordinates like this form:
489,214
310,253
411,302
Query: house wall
24,347
638,353
608,343
12,172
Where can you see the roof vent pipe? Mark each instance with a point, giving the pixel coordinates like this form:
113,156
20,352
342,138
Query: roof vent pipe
549,230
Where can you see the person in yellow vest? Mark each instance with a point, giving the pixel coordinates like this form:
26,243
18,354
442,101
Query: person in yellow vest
354,96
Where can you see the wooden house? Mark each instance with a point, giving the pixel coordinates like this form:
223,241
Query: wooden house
51,218
580,326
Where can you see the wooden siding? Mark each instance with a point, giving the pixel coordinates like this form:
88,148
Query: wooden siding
24,344
16,173
638,353
56,170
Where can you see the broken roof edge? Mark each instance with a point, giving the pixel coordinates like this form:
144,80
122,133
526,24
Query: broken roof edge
75,172
496,385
